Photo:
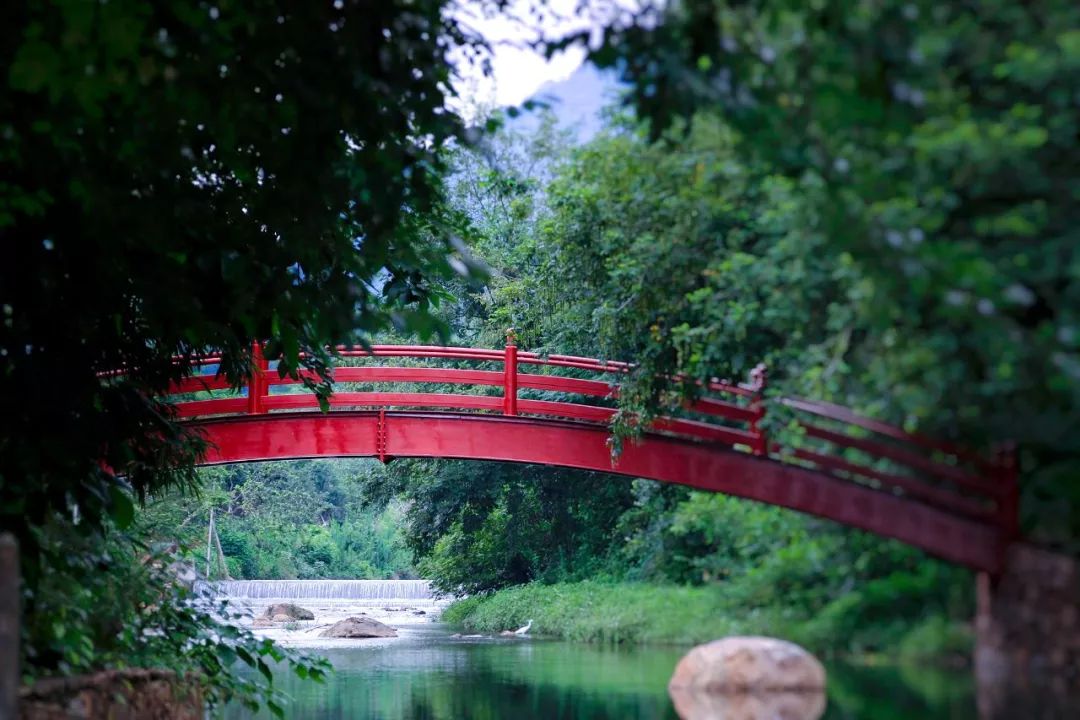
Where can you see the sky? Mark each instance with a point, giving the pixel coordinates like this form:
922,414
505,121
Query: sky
518,72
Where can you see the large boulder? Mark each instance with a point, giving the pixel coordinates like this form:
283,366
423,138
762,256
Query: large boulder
748,678
748,664
359,627
290,611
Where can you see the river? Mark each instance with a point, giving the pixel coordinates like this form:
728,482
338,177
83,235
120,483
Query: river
427,674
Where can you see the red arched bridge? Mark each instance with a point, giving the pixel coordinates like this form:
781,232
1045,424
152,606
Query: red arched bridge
517,406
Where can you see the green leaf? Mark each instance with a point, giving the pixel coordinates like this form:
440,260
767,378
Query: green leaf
121,508
265,670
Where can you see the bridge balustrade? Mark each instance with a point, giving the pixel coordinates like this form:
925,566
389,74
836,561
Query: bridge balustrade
740,417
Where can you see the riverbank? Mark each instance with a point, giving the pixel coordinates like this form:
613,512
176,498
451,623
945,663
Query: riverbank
639,613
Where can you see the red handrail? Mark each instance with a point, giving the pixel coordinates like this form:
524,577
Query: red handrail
848,446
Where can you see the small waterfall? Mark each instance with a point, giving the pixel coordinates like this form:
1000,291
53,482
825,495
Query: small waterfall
326,589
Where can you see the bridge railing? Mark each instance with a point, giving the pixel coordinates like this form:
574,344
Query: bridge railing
827,438
729,416
835,440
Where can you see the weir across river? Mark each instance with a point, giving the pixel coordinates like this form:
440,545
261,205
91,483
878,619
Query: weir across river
358,591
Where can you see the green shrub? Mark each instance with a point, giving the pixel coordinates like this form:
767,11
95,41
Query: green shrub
599,612
648,613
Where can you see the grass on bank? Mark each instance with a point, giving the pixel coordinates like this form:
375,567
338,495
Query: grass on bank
638,613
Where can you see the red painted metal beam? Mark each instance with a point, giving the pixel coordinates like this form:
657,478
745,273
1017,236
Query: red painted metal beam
573,386
510,376
297,401
878,449
198,383
257,381
850,417
721,408
216,406
493,437
382,374
910,486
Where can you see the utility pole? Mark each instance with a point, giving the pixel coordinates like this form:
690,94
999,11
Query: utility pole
221,555
209,542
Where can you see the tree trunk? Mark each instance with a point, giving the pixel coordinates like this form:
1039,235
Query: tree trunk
9,626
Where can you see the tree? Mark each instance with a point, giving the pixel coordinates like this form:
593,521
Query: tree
182,178
475,527
299,519
685,259
500,186
935,145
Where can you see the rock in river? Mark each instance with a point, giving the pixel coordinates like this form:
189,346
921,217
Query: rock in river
748,678
749,664
359,627
290,611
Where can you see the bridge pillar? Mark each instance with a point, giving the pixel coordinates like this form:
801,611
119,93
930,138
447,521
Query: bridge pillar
1027,636
257,384
510,379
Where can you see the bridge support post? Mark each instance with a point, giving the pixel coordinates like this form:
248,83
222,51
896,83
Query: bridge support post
257,385
1027,636
381,437
510,379
1008,480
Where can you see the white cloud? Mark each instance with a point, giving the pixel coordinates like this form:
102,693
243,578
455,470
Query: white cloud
518,71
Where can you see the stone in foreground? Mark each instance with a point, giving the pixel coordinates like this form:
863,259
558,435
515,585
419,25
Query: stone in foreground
359,627
290,611
748,664
128,694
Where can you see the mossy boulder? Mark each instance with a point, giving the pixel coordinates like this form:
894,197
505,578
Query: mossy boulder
359,627
290,611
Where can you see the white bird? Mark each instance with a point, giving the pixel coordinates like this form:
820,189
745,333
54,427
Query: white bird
524,630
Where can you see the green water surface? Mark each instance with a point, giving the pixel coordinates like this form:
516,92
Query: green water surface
427,675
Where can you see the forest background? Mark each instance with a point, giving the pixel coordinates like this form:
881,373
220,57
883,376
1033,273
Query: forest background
590,556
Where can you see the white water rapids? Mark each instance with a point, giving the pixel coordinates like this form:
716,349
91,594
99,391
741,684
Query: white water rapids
401,604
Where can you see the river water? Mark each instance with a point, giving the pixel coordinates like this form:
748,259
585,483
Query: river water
427,674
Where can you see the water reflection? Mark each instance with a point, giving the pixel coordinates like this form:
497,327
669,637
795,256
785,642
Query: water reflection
698,705
426,675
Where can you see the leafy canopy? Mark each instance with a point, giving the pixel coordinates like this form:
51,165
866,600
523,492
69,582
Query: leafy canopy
935,148
184,177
